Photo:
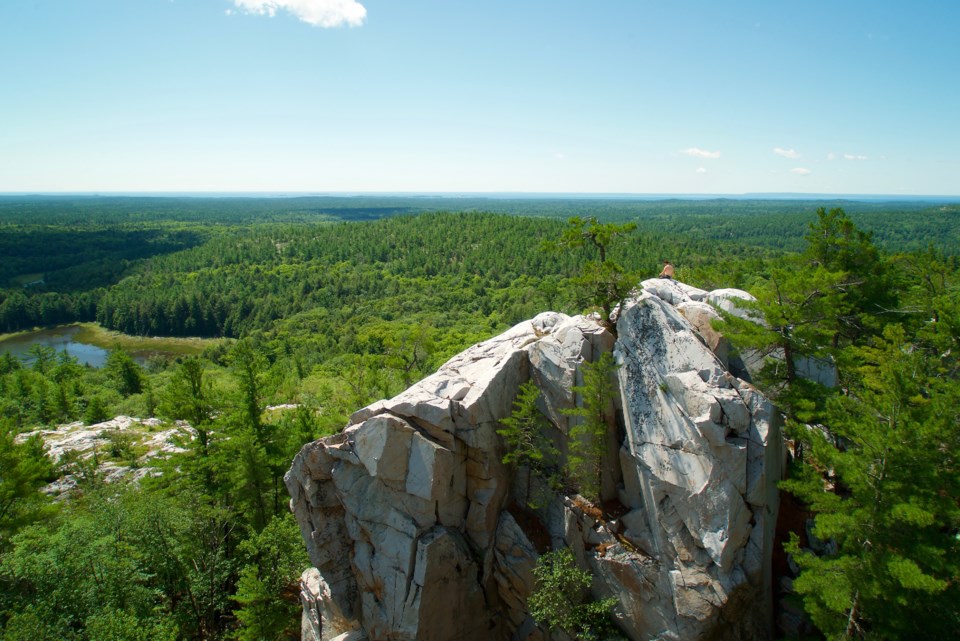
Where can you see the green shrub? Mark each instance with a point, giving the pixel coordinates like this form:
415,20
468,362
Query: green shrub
561,599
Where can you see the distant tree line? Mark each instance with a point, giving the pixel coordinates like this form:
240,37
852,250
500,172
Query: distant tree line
244,279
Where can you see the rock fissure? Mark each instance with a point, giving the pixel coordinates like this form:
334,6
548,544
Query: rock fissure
677,448
415,531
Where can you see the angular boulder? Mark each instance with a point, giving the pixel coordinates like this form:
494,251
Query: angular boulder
417,530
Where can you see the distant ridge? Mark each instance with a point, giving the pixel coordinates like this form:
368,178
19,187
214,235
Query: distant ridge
492,195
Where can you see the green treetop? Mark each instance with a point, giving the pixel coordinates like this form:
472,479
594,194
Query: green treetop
603,282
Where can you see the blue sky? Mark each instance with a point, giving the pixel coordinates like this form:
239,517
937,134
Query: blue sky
641,96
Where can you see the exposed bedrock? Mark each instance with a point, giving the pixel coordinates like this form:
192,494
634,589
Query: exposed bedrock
417,530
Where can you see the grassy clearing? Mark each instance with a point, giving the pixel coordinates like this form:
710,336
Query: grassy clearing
25,279
94,334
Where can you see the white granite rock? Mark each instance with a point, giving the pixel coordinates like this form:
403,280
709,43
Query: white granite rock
86,441
322,620
730,300
700,316
515,558
555,361
405,512
430,469
672,291
415,486
699,485
383,446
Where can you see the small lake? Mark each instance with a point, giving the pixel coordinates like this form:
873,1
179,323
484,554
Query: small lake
65,338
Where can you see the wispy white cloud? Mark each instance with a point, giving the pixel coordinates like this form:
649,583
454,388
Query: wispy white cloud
801,171
854,157
786,153
701,170
831,156
319,13
700,153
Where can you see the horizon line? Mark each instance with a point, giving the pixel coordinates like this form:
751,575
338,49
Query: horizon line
481,194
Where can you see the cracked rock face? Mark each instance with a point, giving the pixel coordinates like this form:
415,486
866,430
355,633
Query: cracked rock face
703,453
412,523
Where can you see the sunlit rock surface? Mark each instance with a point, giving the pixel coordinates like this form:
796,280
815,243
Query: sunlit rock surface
418,531
148,438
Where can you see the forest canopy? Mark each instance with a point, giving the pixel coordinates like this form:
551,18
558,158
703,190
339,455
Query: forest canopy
329,303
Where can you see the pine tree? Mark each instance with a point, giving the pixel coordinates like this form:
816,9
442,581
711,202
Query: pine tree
602,283
883,483
588,438
127,376
876,455
276,559
189,397
249,366
24,468
527,444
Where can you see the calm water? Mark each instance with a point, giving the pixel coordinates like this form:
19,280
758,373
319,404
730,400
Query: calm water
59,338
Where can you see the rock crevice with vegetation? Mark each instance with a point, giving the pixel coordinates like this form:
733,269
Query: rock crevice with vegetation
422,525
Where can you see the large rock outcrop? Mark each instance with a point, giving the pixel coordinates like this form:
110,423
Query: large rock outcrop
418,531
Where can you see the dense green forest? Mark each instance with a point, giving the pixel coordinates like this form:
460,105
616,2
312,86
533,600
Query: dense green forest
120,261
332,303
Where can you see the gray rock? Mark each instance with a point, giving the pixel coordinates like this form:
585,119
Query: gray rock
731,301
383,446
405,512
701,316
672,291
700,489
94,440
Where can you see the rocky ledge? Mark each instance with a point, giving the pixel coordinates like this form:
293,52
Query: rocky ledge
417,530
138,442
